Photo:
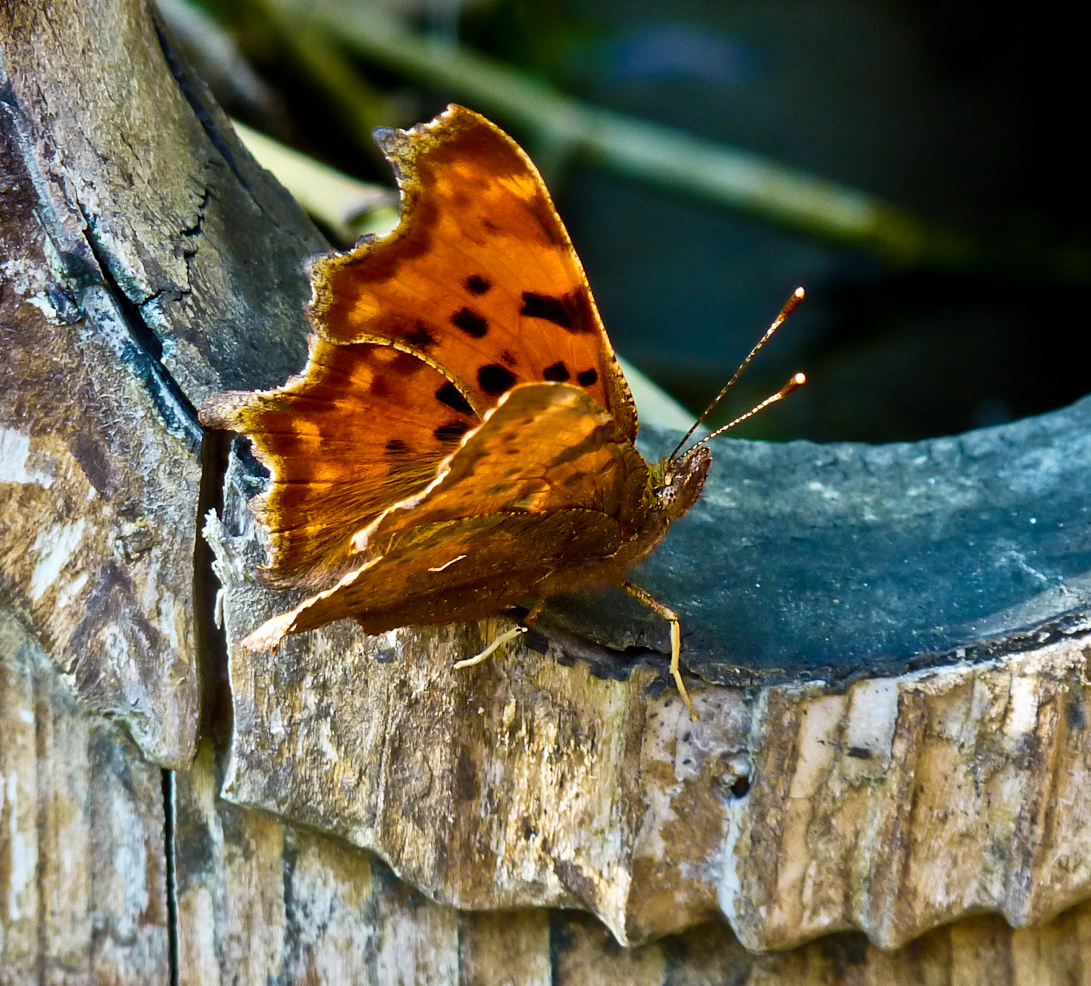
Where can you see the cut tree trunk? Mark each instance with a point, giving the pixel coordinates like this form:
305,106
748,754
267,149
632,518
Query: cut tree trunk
887,646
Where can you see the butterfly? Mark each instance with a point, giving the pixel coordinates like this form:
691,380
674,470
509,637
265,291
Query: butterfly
461,441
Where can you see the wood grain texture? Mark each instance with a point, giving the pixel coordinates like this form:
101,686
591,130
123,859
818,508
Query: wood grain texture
130,216
892,806
973,951
558,777
83,895
260,902
137,160
98,475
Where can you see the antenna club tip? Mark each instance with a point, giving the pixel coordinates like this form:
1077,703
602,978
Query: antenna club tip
799,293
799,379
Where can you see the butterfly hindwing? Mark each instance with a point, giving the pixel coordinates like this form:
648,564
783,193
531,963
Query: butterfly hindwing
545,447
480,276
364,427
460,571
543,494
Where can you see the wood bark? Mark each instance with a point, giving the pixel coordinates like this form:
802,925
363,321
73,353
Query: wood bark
888,649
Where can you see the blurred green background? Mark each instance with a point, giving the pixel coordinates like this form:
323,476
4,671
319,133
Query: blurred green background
959,304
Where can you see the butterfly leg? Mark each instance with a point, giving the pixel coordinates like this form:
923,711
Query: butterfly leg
520,628
676,636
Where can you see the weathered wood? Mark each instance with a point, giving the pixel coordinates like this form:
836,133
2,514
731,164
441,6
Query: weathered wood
261,902
83,895
562,774
891,806
98,475
131,218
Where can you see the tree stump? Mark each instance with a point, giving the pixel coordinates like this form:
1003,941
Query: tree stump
887,646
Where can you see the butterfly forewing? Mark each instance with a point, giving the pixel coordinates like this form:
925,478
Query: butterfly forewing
480,276
366,427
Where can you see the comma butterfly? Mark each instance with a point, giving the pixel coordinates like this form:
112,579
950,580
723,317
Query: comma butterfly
461,440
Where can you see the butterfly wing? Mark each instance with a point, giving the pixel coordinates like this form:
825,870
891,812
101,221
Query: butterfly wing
364,427
542,495
480,276
545,447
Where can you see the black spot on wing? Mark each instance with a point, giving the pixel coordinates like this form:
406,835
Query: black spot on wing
557,373
450,395
575,479
476,284
507,357
471,323
452,431
420,336
570,311
547,307
396,447
495,379
587,377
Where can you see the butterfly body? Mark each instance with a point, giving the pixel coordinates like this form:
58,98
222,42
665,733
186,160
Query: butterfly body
462,439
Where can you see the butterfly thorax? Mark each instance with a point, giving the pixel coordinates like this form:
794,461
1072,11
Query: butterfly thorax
675,484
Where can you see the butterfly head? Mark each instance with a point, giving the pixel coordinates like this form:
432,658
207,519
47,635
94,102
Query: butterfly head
677,482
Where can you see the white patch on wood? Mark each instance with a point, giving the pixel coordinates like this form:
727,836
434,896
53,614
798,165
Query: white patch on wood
14,452
1023,706
44,305
872,717
817,744
324,745
18,275
660,743
115,646
417,945
54,548
24,861
70,591
167,616
130,859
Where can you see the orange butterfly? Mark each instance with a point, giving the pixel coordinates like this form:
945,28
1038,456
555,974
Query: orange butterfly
461,441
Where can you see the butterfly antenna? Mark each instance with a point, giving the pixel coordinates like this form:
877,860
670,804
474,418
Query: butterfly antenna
790,306
797,381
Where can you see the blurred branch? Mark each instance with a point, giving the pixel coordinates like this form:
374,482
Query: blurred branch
345,206
215,55
670,158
